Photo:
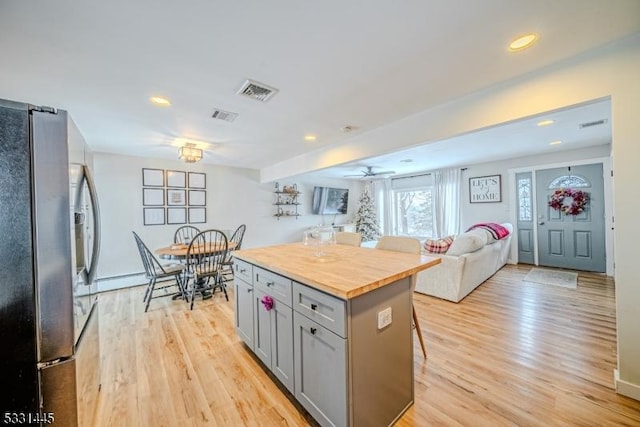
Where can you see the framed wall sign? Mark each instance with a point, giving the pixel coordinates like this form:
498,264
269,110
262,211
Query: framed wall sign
152,177
485,189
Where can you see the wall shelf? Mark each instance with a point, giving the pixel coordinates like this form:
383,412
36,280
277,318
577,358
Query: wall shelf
286,201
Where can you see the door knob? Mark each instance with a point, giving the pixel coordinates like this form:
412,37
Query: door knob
541,223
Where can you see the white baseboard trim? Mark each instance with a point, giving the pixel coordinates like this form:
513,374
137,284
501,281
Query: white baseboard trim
626,388
119,282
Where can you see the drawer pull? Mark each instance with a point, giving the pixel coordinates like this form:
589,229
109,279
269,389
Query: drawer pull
270,283
313,331
242,270
314,307
249,290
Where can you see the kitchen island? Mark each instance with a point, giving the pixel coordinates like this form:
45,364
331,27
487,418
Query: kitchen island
335,330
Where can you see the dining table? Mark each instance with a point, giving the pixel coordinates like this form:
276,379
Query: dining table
179,251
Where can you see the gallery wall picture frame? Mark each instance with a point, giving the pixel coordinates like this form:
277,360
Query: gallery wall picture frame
176,215
152,177
176,179
197,198
197,215
152,197
197,180
485,189
176,197
154,216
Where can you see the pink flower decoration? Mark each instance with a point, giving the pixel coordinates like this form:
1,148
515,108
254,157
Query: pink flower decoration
267,302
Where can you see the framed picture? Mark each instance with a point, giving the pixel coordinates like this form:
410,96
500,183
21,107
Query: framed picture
152,177
176,197
197,198
153,216
176,179
197,180
152,197
485,189
197,215
176,215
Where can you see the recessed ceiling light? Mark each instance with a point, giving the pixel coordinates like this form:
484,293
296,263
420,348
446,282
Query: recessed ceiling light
546,122
160,100
406,161
522,42
555,142
310,137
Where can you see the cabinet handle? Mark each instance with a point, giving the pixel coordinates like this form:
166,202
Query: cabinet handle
242,270
249,290
313,331
270,283
314,306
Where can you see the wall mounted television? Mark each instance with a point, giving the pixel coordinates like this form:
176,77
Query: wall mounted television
330,201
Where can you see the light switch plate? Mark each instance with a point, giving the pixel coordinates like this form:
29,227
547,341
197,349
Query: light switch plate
384,318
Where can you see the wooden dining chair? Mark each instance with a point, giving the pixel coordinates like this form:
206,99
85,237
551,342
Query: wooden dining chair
155,271
185,234
409,245
348,238
227,265
205,255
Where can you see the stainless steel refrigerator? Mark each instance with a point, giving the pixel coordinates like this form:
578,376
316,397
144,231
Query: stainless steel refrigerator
49,245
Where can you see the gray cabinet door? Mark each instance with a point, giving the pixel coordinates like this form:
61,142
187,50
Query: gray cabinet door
282,344
244,311
320,371
261,329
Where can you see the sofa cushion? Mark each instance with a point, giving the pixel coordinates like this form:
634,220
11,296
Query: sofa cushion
438,246
467,242
495,231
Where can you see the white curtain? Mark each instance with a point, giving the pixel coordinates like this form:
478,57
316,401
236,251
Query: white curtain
446,202
382,197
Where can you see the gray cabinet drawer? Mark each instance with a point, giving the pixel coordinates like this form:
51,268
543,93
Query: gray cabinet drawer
274,285
322,308
243,270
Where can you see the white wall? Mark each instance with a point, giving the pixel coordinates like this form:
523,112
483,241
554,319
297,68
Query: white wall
234,197
472,213
612,71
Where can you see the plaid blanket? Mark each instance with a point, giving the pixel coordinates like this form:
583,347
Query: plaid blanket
496,230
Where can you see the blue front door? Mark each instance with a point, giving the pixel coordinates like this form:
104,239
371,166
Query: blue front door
565,240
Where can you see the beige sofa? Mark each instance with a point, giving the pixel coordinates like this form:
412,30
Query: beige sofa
459,274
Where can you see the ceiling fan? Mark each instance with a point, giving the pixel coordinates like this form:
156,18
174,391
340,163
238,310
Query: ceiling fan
369,172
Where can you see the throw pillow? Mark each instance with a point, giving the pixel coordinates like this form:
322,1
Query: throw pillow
438,246
466,242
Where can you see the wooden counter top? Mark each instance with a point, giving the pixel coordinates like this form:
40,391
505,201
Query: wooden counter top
344,271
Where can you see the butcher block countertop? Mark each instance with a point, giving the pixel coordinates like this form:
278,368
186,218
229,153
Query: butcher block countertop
344,271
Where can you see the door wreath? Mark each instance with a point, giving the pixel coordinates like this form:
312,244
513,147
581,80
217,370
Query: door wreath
579,200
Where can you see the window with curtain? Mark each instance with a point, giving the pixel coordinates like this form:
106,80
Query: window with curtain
413,212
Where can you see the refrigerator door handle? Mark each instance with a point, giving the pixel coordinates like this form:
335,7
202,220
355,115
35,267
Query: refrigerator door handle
91,271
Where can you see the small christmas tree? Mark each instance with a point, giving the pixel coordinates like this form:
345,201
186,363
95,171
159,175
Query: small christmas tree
366,220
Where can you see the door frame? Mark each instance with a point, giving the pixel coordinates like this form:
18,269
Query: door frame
607,173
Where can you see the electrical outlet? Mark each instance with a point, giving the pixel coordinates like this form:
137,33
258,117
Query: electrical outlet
384,318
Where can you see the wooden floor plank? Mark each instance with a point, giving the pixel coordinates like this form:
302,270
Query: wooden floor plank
512,353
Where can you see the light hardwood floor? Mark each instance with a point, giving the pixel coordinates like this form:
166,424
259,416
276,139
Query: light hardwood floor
511,353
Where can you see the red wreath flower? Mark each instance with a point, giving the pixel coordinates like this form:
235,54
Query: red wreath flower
577,205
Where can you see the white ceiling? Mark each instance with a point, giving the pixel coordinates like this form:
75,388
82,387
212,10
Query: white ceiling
335,63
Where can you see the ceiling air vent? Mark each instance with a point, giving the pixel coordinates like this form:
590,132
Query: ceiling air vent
256,90
595,123
227,116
